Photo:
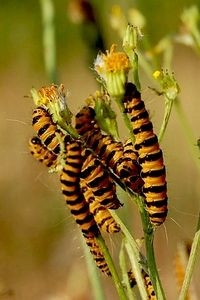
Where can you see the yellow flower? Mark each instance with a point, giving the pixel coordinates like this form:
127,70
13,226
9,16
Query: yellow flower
156,74
112,61
113,68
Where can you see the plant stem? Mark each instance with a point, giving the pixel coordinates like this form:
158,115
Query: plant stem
168,108
94,276
49,44
115,277
126,119
195,250
134,255
149,237
123,267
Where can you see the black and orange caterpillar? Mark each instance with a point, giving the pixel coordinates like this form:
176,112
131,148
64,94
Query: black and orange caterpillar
147,282
70,186
41,153
98,179
46,129
97,254
150,156
109,151
101,213
79,163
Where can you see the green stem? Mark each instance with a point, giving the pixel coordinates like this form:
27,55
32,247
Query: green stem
94,275
134,255
149,237
188,133
194,254
123,267
137,272
168,109
153,271
115,277
126,119
49,44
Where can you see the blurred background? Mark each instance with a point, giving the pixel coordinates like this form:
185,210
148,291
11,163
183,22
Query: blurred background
41,254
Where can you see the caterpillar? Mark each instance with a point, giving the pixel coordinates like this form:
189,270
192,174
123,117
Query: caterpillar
97,254
41,153
147,281
150,156
101,214
129,150
70,185
46,129
110,151
98,179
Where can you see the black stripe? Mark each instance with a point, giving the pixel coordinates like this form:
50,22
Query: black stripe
98,209
74,148
155,189
56,150
67,182
124,173
102,150
87,171
43,129
75,201
67,139
68,193
139,105
153,173
142,115
81,210
102,190
147,142
86,221
104,220
144,127
70,173
157,203
131,91
92,229
151,157
36,119
75,165
97,180
160,215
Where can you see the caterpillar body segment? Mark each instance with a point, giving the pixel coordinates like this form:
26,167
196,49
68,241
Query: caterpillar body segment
41,153
97,255
147,282
98,179
150,156
70,185
46,129
101,214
